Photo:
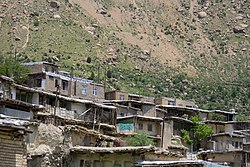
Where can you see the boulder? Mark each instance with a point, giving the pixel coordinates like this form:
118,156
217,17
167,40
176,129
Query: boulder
240,28
202,14
55,4
56,16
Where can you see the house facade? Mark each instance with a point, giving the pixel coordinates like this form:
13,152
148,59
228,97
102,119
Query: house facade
47,77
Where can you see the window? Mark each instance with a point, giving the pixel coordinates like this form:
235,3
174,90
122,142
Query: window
51,78
140,126
56,83
84,89
122,97
64,85
53,69
38,83
150,127
170,102
46,68
95,90
236,144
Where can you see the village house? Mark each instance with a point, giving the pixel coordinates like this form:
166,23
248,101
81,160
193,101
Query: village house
129,125
47,77
175,102
82,156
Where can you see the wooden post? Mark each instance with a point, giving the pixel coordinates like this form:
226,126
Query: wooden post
94,120
57,93
105,78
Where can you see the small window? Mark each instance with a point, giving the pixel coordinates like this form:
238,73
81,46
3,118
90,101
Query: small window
51,78
84,89
64,85
140,126
56,83
53,69
233,143
95,90
150,127
170,102
46,68
236,144
38,83
241,145
122,97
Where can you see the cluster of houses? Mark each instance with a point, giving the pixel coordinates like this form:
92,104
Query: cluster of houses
58,119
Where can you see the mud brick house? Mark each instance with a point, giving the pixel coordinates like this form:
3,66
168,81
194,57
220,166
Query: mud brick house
47,77
179,111
235,158
174,102
133,107
116,95
13,150
129,125
117,156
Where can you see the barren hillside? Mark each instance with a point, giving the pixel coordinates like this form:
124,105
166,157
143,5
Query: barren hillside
195,49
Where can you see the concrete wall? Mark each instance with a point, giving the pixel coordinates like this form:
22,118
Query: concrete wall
13,150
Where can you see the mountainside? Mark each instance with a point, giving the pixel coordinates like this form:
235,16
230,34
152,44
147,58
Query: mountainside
191,49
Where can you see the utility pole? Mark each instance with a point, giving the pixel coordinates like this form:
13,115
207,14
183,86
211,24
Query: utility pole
57,93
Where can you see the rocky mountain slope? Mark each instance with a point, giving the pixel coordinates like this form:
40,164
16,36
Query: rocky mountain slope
191,49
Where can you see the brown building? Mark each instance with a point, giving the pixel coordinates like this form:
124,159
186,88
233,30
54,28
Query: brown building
117,156
175,102
116,95
45,76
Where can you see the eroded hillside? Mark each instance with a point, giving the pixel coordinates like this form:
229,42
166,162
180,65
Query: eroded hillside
147,46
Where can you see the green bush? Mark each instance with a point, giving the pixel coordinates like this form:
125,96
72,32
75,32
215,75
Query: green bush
141,138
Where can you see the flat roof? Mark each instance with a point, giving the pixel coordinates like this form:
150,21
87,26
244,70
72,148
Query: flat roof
228,134
133,101
76,100
6,78
140,117
127,149
183,162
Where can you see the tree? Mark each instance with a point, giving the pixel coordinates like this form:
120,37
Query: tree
200,131
141,138
13,69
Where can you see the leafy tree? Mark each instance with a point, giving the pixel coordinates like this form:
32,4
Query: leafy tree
141,138
13,69
186,137
200,131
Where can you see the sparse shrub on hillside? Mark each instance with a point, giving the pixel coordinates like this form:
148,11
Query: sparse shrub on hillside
89,60
36,22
